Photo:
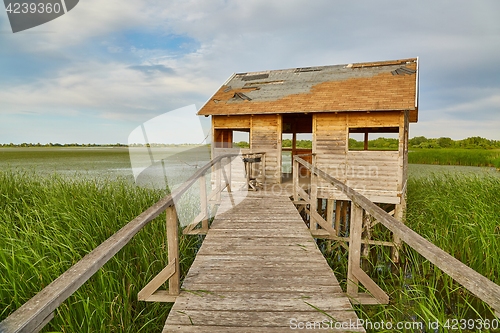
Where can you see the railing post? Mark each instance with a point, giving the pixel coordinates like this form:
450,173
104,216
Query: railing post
295,176
226,177
173,250
356,228
399,215
263,161
329,213
337,216
218,180
204,206
314,196
230,172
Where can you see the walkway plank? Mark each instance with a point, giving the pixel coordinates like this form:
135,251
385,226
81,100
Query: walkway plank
259,270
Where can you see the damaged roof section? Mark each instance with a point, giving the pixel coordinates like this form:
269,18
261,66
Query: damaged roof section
376,86
403,71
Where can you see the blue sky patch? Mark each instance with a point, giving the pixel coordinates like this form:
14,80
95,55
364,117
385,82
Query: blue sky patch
158,41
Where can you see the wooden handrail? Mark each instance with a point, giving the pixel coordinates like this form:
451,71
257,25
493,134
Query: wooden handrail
479,285
37,312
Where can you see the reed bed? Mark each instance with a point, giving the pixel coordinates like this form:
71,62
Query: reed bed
452,156
461,215
48,224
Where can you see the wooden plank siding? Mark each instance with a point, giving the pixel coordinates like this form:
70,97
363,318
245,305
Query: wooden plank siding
379,175
257,270
374,119
234,122
265,136
376,174
329,145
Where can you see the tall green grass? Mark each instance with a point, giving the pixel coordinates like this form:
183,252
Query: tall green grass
451,156
461,215
48,224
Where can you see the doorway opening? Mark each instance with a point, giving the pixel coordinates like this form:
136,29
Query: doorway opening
296,139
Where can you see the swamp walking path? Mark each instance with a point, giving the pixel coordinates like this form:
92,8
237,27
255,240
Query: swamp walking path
260,270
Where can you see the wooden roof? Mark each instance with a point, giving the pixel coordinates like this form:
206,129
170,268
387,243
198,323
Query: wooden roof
373,86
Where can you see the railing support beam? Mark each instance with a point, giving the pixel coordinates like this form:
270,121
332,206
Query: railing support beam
355,231
479,285
173,250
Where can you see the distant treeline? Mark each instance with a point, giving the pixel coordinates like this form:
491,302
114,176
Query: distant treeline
91,145
24,144
475,142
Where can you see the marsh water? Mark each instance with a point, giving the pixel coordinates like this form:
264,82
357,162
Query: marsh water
145,166
153,165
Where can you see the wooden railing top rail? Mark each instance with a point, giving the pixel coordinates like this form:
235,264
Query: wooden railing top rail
476,283
36,312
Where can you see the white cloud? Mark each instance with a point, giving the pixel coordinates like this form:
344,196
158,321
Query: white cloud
95,72
456,129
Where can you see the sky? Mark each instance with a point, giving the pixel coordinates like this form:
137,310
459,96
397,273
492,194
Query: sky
97,73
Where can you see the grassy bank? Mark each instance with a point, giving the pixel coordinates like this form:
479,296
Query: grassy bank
461,215
464,157
48,224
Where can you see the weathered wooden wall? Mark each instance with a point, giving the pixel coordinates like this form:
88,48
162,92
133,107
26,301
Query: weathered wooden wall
265,137
379,175
376,174
329,143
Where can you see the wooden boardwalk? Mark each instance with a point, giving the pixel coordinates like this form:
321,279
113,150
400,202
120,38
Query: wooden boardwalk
259,270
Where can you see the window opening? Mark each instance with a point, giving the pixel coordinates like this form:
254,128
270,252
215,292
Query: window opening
374,138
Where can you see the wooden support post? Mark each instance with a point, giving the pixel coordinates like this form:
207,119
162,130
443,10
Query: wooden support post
204,205
329,212
367,235
230,171
321,211
218,181
296,182
343,214
314,197
263,172
173,250
402,178
366,141
399,215
226,179
356,228
337,216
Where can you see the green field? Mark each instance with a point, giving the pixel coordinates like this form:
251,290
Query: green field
68,161
461,215
456,156
49,222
